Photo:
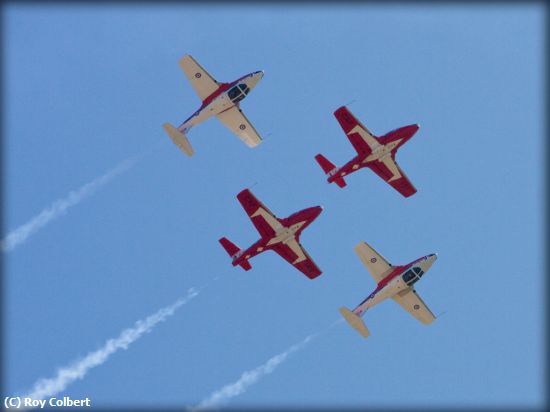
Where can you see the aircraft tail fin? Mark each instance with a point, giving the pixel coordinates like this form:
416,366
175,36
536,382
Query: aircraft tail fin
178,138
355,321
328,167
232,249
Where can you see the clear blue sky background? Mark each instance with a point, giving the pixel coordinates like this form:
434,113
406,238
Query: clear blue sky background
88,86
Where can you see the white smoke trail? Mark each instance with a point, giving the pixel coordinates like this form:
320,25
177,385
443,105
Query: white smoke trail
249,378
59,207
46,388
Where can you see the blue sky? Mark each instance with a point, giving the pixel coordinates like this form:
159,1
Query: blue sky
89,86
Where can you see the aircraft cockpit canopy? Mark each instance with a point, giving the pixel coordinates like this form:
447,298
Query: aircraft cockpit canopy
412,275
238,92
244,88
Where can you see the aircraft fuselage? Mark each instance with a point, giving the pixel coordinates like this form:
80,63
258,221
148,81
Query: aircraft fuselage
286,230
227,96
384,146
399,279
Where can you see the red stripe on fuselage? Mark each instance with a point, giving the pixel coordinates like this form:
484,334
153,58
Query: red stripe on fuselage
392,275
223,87
398,271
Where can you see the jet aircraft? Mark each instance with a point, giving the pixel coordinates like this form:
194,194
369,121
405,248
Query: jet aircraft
279,235
377,153
394,282
218,99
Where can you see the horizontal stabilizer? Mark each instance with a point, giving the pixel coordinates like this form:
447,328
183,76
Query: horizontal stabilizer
178,138
330,169
232,249
229,246
340,182
325,164
245,264
355,321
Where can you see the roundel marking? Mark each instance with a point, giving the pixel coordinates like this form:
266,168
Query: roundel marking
242,126
198,75
416,307
373,260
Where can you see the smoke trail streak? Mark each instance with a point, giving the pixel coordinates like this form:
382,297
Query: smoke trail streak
45,388
249,378
59,207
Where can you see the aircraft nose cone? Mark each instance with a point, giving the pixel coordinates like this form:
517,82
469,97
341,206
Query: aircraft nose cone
315,211
413,128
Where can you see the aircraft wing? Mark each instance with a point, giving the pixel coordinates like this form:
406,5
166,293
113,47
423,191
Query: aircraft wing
296,255
412,303
235,120
388,169
265,222
363,141
377,266
200,79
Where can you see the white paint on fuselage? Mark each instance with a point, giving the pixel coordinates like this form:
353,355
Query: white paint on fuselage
395,286
222,102
381,151
333,172
282,234
378,152
237,255
286,234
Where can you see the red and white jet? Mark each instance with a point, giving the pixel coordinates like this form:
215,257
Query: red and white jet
279,235
218,99
394,282
377,153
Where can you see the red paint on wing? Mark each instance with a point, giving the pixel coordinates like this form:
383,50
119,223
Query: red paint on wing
348,122
402,185
251,204
307,266
346,119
